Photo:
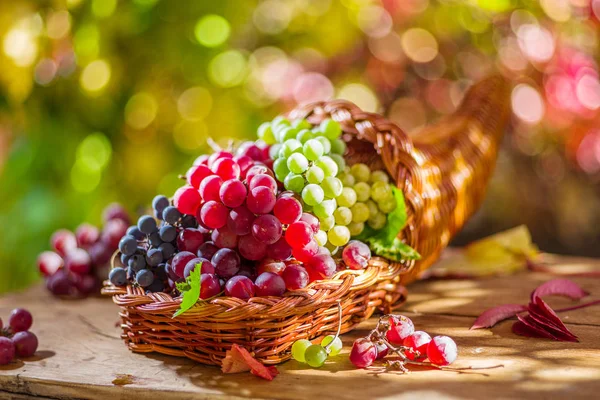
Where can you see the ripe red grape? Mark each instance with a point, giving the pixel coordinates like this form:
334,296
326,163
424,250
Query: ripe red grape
49,262
87,284
206,268
382,350
224,238
280,250
7,350
251,249
64,241
217,155
269,284
418,341
321,266
251,150
25,343
442,350
306,253
227,263
78,262
190,240
196,174
209,286
288,210
115,211
240,220
213,214
312,221
400,328
226,168
363,353
100,253
267,228
209,188
263,180
201,160
256,169
207,250
240,287
86,235
179,262
298,234
261,200
269,265
187,200
356,255
233,193
20,320
113,231
245,163
295,277
59,284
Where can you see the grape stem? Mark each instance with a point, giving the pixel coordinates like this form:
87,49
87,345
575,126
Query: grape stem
338,330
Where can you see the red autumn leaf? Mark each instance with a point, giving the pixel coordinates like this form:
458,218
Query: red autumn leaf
559,287
539,307
523,330
533,327
238,359
554,330
492,316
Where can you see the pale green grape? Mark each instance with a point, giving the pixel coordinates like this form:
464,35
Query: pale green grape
338,235
327,222
312,194
266,133
280,120
379,176
281,169
373,209
286,134
338,146
347,179
301,124
333,249
361,172
315,356
332,187
294,182
327,165
356,228
326,144
304,135
331,129
343,216
339,160
321,238
363,191
297,163
380,191
274,151
387,205
299,348
360,212
335,347
315,174
325,208
313,149
377,221
347,198
290,147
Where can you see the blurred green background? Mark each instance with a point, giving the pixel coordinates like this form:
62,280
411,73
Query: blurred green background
109,100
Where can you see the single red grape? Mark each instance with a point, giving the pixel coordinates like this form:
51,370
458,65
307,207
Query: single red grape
179,262
100,253
209,286
251,249
20,320
209,188
196,174
261,200
295,277
218,155
63,241
306,253
356,255
78,261
49,262
26,344
112,233
207,250
269,265
382,350
288,210
263,180
256,169
227,263
59,284
87,284
280,250
363,353
224,238
226,168
267,228
417,341
442,350
251,150
400,328
298,234
190,240
269,284
240,220
312,221
115,211
206,268
87,235
245,163
239,286
7,350
233,193
201,160
320,267
187,200
213,214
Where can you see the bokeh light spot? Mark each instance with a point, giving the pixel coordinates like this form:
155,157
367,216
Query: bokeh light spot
45,71
95,76
94,152
212,30
360,95
419,45
272,16
58,24
20,45
408,113
536,42
227,69
195,103
103,8
312,86
375,21
140,110
190,136
588,153
387,48
558,10
87,39
84,179
527,104
588,91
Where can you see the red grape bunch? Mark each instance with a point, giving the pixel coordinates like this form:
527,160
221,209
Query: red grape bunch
79,260
15,339
395,334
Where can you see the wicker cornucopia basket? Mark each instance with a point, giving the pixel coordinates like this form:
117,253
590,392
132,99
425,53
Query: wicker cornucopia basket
443,172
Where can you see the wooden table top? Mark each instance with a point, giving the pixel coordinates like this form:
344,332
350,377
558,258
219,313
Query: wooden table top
80,353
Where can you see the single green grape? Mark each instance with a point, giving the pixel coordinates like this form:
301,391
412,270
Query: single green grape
281,169
326,223
379,176
315,356
327,165
347,179
286,134
274,151
377,221
294,182
313,149
373,209
266,133
331,129
321,238
356,228
360,212
387,205
280,120
305,135
363,191
312,194
338,235
326,144
297,163
347,198
315,174
332,187
338,146
339,160
299,349
290,147
325,208
335,347
380,190
342,215
361,172
301,124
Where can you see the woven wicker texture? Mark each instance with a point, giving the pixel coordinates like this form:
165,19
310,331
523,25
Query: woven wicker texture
443,172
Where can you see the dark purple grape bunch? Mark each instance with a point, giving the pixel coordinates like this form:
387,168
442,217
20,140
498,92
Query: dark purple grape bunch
15,339
79,260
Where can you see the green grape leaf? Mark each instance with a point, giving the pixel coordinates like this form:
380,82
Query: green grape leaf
192,294
183,286
397,250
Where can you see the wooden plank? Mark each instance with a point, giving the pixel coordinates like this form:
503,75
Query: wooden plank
80,356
